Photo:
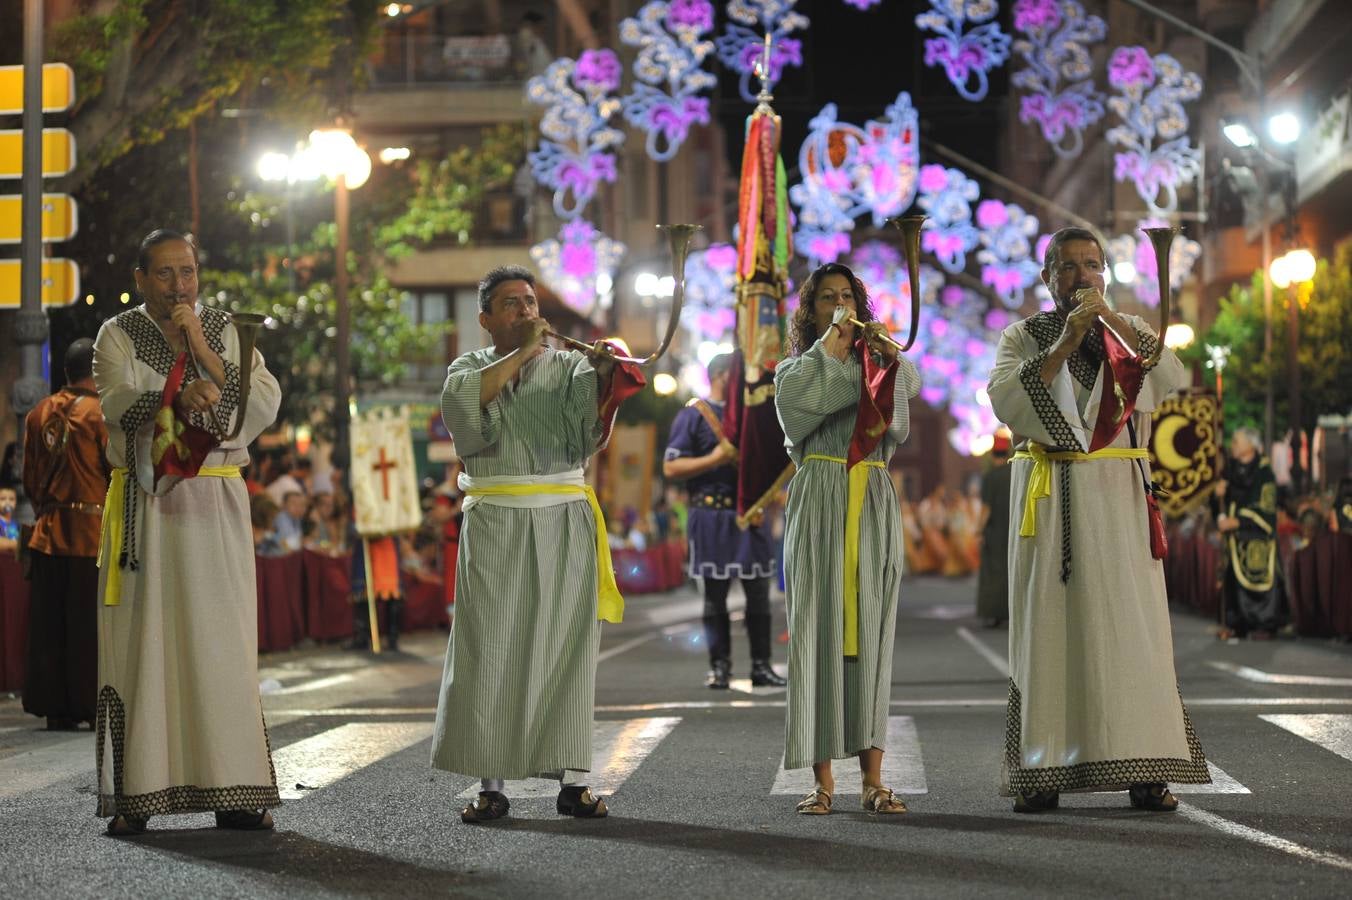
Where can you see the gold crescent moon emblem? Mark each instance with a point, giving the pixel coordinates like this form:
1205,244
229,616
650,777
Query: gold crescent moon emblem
1165,449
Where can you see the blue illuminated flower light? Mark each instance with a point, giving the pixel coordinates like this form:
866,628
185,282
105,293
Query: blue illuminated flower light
1055,35
965,56
710,286
575,155
946,196
1151,105
1007,235
740,47
848,171
666,102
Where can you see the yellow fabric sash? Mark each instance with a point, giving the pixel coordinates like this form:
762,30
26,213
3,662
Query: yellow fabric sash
854,510
609,603
112,526
1040,484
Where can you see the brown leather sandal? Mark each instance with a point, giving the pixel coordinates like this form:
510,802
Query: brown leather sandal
244,819
817,803
881,800
1038,801
490,805
579,802
1153,797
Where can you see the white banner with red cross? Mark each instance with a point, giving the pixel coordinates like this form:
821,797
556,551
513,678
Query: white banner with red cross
384,481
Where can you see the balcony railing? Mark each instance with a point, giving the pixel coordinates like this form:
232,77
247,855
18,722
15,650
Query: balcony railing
413,60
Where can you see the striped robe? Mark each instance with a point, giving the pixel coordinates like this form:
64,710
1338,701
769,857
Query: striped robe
837,706
1093,697
520,675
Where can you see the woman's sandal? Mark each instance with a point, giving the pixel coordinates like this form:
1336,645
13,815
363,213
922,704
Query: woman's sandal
244,819
1154,797
579,802
817,803
490,805
126,826
881,800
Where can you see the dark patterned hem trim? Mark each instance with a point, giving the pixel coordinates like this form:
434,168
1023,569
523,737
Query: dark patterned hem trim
189,799
1030,375
111,723
733,570
1146,344
1105,775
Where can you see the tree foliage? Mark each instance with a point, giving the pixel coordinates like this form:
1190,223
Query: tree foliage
1324,349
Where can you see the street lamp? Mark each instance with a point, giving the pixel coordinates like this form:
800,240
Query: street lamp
332,153
1294,271
1284,128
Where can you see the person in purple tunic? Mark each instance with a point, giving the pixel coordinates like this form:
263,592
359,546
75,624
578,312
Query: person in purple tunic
698,454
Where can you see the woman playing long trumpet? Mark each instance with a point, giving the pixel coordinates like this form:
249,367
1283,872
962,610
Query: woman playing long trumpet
842,400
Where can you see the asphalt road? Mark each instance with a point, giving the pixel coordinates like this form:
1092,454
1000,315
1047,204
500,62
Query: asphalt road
699,804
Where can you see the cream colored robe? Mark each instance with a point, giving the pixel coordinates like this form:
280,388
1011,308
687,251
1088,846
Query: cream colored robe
180,725
1093,698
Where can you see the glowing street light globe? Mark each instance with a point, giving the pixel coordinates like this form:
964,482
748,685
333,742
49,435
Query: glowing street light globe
1178,336
1279,272
1300,265
1284,128
665,385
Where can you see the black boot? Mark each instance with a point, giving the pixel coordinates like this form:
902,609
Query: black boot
764,675
394,619
718,675
361,628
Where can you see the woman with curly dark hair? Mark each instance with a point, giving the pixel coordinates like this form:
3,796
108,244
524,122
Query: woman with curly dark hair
842,400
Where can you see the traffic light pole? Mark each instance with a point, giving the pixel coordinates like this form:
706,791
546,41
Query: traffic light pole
30,327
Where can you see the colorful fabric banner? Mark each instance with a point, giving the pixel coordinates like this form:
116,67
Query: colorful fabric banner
384,478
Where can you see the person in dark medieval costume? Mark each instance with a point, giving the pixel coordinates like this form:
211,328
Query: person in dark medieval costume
1254,598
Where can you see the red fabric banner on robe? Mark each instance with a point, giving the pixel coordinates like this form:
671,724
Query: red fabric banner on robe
627,381
178,446
1122,377
875,406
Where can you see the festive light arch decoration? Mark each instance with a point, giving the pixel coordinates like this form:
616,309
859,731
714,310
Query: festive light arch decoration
666,101
1152,93
863,4
710,289
1054,43
740,46
965,56
1183,255
946,196
1007,235
575,155
848,171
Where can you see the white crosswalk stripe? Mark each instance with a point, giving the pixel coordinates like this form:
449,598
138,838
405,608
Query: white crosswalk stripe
1221,783
618,749
1332,732
903,766
319,761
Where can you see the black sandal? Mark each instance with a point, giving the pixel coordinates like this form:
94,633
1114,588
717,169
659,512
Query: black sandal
490,805
244,819
577,800
126,826
1038,801
1153,797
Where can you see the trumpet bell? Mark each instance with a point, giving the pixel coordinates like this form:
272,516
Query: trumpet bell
909,226
1161,238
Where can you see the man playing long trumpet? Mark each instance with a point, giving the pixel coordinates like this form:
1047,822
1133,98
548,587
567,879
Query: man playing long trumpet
533,575
179,722
843,401
1094,703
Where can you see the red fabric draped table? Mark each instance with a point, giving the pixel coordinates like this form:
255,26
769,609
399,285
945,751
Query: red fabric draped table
650,571
328,589
1320,586
13,623
281,610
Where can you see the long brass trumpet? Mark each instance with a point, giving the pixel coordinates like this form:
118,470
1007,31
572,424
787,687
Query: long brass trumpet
679,236
246,327
1161,238
909,226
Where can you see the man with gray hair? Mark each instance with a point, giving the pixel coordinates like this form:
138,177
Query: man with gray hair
699,454
1247,497
1094,703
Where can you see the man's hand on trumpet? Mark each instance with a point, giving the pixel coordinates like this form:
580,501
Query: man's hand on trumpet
529,335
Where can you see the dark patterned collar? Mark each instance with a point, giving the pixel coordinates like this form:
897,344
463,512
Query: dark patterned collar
1084,363
150,344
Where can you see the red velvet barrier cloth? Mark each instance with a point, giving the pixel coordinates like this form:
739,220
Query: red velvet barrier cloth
1192,570
1320,583
13,623
424,605
650,571
281,610
328,604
